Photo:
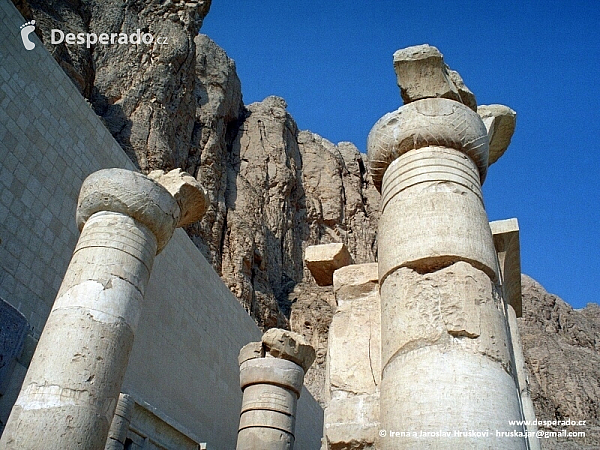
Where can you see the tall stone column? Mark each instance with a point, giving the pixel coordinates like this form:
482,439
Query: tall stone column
69,395
446,363
271,378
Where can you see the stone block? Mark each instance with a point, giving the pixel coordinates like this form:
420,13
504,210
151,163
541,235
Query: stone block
506,241
352,422
422,73
355,281
323,260
500,122
354,361
251,351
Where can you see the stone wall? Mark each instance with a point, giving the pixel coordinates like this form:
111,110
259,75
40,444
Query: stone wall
183,366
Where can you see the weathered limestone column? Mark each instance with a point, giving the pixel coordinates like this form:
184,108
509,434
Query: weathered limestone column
117,434
446,364
353,372
271,378
69,395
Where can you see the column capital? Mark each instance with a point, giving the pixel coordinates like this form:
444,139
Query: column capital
423,123
161,202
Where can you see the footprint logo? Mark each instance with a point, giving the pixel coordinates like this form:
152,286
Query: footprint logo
26,29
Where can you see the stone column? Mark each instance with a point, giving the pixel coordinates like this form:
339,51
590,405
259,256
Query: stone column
446,364
117,434
353,372
69,395
271,378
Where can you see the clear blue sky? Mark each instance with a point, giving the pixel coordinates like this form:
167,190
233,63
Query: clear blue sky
332,62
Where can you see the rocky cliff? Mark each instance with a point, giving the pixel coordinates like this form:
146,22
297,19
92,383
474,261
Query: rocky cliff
561,346
274,189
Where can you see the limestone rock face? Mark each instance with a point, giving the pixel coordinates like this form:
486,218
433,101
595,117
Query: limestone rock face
312,311
144,93
219,108
286,190
342,204
562,351
262,242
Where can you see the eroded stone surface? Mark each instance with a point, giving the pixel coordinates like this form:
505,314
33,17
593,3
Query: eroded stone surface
422,73
355,281
433,214
506,241
323,260
440,388
354,345
119,427
289,345
352,422
458,305
312,309
251,351
500,122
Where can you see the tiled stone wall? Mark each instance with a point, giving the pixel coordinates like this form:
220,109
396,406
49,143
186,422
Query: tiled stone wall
184,359
50,140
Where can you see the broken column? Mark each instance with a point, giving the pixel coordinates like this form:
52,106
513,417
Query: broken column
271,377
446,364
71,390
